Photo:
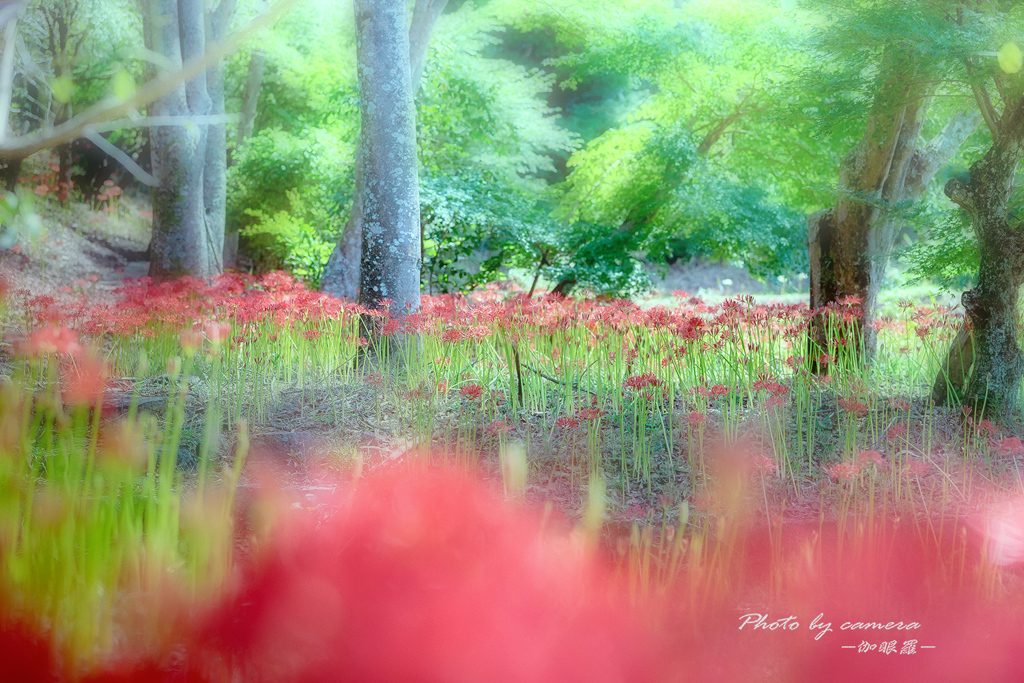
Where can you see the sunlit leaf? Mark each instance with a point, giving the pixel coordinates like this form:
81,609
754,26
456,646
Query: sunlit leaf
122,85
63,88
1010,58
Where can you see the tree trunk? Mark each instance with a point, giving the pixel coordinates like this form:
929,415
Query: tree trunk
390,264
424,15
216,163
993,383
849,244
12,172
180,243
250,98
341,274
872,170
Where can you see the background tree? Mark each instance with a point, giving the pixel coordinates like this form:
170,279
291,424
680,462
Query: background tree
389,272
683,172
985,363
882,69
181,242
341,274
188,161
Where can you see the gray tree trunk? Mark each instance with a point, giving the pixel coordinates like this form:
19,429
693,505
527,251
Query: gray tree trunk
216,162
246,123
390,264
341,274
251,96
179,245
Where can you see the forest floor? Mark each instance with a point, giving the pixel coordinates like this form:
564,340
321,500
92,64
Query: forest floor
90,253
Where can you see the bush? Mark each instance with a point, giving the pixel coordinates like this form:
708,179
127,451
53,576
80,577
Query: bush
300,239
275,163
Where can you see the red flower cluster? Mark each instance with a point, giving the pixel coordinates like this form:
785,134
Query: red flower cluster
472,391
423,579
641,382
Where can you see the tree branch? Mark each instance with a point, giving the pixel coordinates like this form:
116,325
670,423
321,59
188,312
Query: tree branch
988,112
112,108
929,159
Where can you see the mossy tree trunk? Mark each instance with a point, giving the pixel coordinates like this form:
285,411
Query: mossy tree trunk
215,167
188,203
390,264
179,245
341,276
992,383
849,244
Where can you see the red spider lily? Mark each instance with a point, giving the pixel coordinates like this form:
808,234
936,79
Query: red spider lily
442,387
472,391
775,402
640,382
52,340
764,463
986,426
900,404
25,653
852,404
719,390
374,379
217,333
498,427
566,422
842,470
1004,531
1011,446
424,579
696,419
84,380
896,432
591,413
868,458
191,339
915,468
451,336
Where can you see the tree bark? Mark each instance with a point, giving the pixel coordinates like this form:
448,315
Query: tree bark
390,263
341,274
246,123
993,382
850,244
179,245
251,96
216,162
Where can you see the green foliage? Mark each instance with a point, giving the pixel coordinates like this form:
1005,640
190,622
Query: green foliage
275,166
104,39
654,187
476,228
947,253
296,238
599,261
17,217
484,113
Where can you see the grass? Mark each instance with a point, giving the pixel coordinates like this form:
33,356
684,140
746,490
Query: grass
690,446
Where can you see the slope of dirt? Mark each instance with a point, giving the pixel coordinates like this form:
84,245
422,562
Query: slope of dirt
80,250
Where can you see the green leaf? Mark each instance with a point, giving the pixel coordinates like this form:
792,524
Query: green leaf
63,88
122,85
1010,58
